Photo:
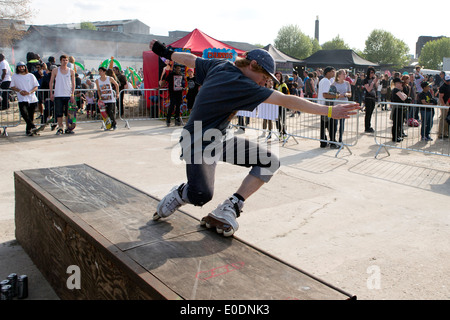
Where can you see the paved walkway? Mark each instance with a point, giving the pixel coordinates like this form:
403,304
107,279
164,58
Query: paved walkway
377,228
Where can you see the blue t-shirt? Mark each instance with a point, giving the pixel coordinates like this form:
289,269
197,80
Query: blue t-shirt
225,90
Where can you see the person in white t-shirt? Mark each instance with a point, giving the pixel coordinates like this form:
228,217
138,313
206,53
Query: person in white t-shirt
323,94
5,80
26,84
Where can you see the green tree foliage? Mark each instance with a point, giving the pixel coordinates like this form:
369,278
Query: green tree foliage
335,44
87,25
292,41
434,52
316,46
383,48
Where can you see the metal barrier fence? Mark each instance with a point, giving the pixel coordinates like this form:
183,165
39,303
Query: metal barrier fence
285,124
413,127
393,128
9,117
144,104
133,104
45,111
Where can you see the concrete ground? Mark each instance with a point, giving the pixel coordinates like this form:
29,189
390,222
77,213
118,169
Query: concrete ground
377,228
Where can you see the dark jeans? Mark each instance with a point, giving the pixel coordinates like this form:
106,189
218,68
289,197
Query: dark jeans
27,113
175,105
398,117
5,94
281,121
190,100
110,111
331,125
49,111
323,127
414,112
243,121
92,108
370,106
238,151
427,122
332,128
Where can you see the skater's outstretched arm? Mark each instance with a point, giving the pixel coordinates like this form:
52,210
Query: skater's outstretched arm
340,111
185,58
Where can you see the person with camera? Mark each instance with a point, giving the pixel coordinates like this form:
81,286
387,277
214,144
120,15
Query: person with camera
370,84
398,113
418,79
426,113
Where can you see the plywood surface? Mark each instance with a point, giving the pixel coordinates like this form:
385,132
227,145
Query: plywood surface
193,262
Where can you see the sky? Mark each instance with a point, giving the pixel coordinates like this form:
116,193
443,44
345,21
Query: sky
258,22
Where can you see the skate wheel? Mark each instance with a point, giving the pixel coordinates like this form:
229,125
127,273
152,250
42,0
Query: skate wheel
218,230
156,217
204,222
228,233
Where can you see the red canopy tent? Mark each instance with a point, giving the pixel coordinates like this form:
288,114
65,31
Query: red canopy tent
196,41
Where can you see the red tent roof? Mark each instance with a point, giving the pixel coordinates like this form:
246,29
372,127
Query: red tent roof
198,41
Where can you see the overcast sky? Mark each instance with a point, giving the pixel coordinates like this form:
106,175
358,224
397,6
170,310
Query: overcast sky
258,22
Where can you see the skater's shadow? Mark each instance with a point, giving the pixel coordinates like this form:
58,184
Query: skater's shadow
177,241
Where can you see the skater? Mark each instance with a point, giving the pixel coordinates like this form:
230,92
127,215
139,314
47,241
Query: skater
226,88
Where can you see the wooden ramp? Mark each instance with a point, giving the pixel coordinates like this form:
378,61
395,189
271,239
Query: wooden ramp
78,216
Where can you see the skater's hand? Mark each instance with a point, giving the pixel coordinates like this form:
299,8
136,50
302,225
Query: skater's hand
72,99
344,111
151,44
160,49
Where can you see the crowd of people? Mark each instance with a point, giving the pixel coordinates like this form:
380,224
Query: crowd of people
57,84
366,88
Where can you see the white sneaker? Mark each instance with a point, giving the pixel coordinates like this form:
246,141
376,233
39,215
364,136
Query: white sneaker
224,216
170,203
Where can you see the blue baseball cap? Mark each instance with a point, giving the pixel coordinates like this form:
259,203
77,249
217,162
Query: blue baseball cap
265,60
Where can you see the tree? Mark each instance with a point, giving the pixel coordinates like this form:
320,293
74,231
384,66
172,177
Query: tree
434,52
383,48
335,44
292,41
315,46
87,25
13,10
